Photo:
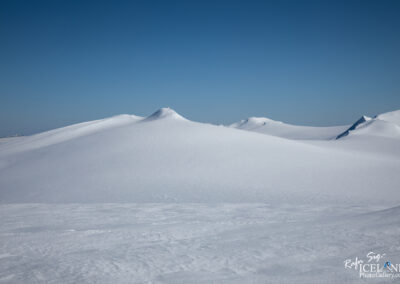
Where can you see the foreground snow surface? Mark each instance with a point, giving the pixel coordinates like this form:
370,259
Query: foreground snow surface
186,243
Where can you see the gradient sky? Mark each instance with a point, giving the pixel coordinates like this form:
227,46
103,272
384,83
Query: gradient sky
301,62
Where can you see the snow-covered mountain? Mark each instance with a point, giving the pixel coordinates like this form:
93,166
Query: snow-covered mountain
386,125
165,157
325,196
276,128
362,120
164,113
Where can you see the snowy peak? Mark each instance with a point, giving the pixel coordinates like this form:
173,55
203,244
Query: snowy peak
170,159
164,113
354,126
364,118
253,122
258,120
385,124
295,132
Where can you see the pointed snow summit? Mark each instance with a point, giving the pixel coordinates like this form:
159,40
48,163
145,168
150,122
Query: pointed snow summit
385,124
164,113
354,126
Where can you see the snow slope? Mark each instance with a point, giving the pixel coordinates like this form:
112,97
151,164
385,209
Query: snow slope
392,116
284,130
63,134
164,158
386,125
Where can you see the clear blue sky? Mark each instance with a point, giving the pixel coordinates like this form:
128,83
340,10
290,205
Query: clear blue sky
304,62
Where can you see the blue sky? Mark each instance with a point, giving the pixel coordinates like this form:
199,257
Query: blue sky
302,62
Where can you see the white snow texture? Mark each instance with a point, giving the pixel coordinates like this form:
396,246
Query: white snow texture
163,199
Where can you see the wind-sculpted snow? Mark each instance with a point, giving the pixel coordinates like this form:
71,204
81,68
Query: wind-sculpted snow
192,243
169,159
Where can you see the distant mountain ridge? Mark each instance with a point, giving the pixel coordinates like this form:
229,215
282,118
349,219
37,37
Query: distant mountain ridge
296,132
385,124
167,158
